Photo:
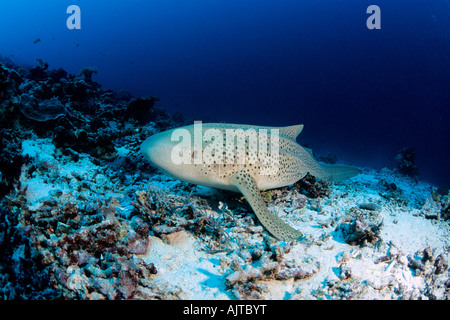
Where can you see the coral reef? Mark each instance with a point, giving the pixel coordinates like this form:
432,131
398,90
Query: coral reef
87,72
406,162
11,159
82,216
39,71
141,109
52,249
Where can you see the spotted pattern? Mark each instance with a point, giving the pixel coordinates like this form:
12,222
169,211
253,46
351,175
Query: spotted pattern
290,132
293,162
280,230
233,167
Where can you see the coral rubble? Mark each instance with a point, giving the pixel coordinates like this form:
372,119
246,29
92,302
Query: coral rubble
83,216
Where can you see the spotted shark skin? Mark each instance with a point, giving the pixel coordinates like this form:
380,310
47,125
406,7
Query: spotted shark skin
247,176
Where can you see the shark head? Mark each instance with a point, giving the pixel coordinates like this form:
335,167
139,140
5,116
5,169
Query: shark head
157,149
173,153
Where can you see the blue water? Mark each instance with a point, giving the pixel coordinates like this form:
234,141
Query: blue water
362,94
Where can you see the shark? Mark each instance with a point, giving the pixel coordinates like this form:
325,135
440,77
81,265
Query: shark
241,158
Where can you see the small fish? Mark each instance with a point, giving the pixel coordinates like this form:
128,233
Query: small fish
36,41
369,206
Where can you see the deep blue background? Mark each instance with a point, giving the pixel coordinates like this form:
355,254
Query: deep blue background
362,94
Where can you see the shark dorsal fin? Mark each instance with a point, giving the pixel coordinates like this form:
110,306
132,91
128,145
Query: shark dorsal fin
291,132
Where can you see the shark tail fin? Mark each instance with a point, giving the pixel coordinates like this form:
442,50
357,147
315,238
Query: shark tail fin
338,172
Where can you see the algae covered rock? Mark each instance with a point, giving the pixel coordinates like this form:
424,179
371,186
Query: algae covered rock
361,228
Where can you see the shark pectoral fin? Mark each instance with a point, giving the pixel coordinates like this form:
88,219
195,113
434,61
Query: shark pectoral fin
279,229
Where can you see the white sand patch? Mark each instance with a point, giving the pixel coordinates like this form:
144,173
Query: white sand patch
185,264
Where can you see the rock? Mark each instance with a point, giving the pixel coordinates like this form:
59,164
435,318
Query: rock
440,264
141,109
87,73
243,275
313,187
361,230
406,162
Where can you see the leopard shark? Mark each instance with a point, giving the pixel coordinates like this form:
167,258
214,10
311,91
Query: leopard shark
241,158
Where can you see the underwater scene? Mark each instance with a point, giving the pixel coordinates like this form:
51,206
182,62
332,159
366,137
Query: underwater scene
224,150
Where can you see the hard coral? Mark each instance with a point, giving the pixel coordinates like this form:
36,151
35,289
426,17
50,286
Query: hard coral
445,214
39,71
312,186
87,73
11,160
141,109
89,254
361,229
22,273
9,82
74,243
57,74
406,162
